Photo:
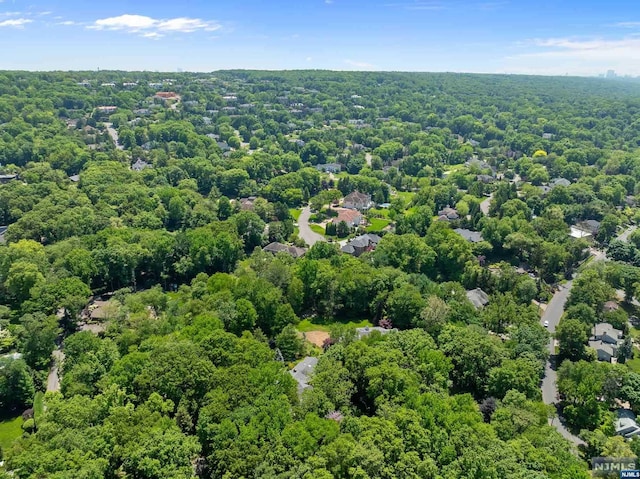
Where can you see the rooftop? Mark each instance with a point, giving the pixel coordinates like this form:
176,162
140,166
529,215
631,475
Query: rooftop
276,247
478,297
472,236
302,372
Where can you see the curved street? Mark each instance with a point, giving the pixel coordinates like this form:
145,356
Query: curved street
552,314
310,237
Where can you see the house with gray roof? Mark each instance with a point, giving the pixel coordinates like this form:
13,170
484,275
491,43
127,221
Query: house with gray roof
605,340
361,244
302,373
3,230
470,236
140,165
276,248
625,424
357,201
585,229
329,167
448,214
559,182
478,298
367,330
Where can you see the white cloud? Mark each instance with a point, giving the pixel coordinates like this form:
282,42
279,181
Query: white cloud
153,35
125,22
15,23
67,23
309,59
152,27
360,65
578,56
187,25
627,24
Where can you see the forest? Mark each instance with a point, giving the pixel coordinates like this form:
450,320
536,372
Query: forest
317,275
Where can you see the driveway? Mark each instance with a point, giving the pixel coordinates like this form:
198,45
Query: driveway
485,205
624,236
53,380
310,237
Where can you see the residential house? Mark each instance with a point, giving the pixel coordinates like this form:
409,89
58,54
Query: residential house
166,95
547,136
471,236
625,424
302,373
610,306
3,230
74,178
329,167
485,179
107,110
473,142
246,204
448,214
478,298
353,218
361,244
585,229
559,182
605,340
276,248
544,190
367,330
357,201
108,84
7,178
140,165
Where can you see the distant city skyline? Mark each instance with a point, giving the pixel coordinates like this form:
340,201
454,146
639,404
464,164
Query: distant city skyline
588,38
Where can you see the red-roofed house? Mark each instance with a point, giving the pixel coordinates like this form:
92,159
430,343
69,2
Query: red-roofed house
353,218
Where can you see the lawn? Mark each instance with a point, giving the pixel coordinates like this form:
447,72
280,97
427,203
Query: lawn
307,325
10,430
295,213
317,229
38,405
377,224
634,364
382,212
407,196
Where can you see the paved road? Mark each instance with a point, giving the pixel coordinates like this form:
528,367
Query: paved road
485,204
624,236
306,234
53,381
552,314
114,135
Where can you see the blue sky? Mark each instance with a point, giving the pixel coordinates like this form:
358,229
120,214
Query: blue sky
556,37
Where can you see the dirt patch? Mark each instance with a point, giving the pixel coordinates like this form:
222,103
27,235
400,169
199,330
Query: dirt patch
316,337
